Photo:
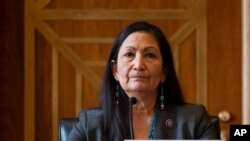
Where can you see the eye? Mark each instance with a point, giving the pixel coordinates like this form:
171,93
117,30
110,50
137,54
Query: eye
150,55
129,54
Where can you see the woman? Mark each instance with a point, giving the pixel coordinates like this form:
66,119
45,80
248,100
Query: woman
141,65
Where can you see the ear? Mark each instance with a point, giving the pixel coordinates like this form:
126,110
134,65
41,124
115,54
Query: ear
164,75
114,69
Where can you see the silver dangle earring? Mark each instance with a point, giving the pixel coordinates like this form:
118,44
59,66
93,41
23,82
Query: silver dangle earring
117,94
162,97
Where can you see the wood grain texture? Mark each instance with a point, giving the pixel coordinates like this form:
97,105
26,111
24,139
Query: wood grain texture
224,59
81,37
91,40
245,62
11,71
81,34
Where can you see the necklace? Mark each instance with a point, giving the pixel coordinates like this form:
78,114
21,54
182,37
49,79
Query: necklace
152,127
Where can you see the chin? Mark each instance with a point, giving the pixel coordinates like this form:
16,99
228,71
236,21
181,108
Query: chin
140,89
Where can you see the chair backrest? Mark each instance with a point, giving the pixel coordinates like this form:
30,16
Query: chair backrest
67,124
216,121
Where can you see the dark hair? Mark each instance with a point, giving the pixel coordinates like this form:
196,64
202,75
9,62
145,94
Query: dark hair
116,115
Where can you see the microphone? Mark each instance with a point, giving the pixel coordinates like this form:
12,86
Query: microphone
132,101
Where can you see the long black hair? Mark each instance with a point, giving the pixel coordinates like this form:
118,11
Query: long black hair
116,115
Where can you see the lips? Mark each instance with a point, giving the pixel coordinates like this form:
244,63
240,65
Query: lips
139,77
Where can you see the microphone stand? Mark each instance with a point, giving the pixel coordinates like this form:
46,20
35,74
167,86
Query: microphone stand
132,101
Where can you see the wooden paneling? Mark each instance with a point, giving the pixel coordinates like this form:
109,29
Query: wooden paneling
245,62
187,69
72,42
43,94
67,44
11,71
224,59
56,82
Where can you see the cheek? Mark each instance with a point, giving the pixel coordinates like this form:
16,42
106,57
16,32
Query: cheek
122,71
156,72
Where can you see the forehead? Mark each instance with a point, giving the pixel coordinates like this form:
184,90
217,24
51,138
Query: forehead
140,38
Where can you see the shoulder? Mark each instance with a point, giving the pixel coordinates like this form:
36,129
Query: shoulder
190,106
196,117
189,112
92,112
192,121
90,122
90,116
190,109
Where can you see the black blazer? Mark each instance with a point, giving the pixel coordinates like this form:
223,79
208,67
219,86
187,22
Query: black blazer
187,121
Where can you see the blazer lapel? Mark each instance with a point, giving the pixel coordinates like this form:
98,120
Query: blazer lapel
165,124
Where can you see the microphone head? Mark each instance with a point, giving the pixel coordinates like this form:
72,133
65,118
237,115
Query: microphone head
132,100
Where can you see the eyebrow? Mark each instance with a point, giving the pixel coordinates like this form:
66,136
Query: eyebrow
146,48
150,47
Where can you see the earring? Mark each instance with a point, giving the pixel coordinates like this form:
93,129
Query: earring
117,94
162,97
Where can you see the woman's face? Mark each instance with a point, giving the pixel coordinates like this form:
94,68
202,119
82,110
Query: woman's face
139,66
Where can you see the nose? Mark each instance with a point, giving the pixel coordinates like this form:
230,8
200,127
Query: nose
139,63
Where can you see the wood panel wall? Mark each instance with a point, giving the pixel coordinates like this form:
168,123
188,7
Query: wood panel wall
72,40
56,84
11,70
67,44
224,60
245,62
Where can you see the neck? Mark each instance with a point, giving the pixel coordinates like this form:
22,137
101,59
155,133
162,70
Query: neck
145,104
143,112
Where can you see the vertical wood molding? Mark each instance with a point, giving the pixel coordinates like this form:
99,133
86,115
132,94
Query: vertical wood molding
176,59
201,68
245,62
78,98
55,94
29,74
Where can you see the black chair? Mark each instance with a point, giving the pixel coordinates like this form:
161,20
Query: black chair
66,125
216,121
